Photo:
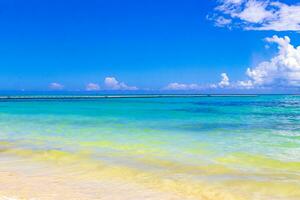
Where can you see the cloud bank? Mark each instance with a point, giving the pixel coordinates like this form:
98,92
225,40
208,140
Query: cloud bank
257,15
280,71
283,70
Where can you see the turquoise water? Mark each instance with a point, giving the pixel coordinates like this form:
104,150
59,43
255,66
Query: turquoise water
226,141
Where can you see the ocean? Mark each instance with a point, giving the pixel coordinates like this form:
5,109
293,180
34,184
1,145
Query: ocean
193,147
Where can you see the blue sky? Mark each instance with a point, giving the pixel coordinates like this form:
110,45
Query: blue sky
145,45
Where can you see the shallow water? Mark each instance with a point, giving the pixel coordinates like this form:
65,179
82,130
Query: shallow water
202,147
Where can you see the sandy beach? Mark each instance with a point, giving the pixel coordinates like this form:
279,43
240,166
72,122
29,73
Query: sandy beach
23,180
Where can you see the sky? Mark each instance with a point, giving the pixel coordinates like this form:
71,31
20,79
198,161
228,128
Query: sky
247,46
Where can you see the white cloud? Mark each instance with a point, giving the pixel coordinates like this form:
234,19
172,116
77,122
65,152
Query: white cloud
224,81
221,21
56,86
182,86
255,12
245,84
282,70
112,83
92,87
257,15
